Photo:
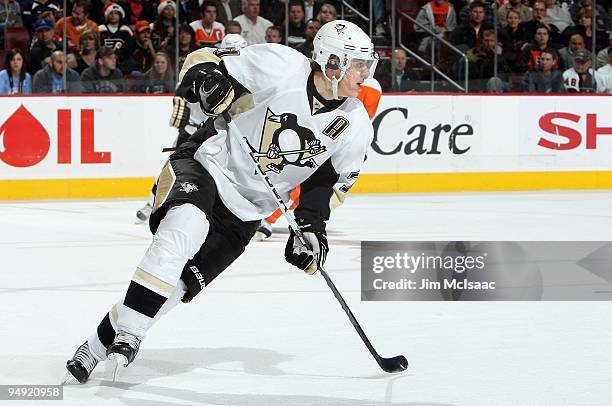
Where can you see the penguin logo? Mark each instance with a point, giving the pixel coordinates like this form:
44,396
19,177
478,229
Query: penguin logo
284,142
340,28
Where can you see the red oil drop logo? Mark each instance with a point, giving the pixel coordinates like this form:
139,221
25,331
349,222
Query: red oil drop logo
23,140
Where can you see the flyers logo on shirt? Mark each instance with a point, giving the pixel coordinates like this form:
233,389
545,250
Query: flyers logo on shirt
284,142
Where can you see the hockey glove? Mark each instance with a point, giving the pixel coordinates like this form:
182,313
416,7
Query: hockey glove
215,91
180,113
307,258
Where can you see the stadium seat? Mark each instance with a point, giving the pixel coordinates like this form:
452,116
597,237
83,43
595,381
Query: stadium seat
17,37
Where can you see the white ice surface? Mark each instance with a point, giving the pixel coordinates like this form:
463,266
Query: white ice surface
266,334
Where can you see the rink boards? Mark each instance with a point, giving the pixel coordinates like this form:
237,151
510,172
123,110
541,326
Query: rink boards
82,147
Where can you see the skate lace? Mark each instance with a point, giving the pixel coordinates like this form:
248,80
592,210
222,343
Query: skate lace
131,340
85,357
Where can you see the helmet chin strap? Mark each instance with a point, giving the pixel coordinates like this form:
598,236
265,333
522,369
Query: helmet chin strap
334,85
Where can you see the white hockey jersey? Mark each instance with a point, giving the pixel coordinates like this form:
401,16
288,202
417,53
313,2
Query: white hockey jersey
291,130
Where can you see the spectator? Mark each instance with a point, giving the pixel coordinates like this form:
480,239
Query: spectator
76,23
438,16
14,79
327,13
253,26
603,19
604,75
580,78
379,14
532,51
162,31
140,10
208,32
468,36
539,14
273,34
186,44
233,27
160,78
567,55
602,56
139,51
585,28
513,37
103,76
463,16
312,8
545,78
396,78
10,16
44,45
227,10
114,34
558,15
50,79
524,12
38,10
88,45
312,27
482,60
297,26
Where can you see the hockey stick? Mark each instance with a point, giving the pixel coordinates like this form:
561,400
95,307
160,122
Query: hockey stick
394,364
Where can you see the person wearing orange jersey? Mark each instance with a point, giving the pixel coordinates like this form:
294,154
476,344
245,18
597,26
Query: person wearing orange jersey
369,95
208,31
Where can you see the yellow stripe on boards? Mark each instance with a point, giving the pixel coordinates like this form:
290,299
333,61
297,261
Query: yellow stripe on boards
481,181
367,183
38,189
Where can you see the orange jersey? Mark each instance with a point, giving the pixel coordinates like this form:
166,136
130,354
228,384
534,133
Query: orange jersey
210,35
72,32
370,96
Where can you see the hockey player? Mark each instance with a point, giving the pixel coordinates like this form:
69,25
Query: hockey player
295,115
369,95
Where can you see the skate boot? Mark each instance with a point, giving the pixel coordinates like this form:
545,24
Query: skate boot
144,213
81,364
122,351
264,231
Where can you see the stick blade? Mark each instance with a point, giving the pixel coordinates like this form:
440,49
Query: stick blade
394,364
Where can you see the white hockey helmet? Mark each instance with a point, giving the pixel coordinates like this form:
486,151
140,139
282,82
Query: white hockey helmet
337,44
233,41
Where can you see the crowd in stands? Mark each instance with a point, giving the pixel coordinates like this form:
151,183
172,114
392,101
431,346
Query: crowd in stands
542,46
131,46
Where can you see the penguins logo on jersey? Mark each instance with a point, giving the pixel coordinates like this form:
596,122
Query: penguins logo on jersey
285,142
340,28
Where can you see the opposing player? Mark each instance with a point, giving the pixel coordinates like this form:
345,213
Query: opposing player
369,95
304,124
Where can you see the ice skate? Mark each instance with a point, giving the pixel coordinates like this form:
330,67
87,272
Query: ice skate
122,351
81,364
264,231
144,213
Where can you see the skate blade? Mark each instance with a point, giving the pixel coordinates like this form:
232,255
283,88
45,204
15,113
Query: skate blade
118,363
68,379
